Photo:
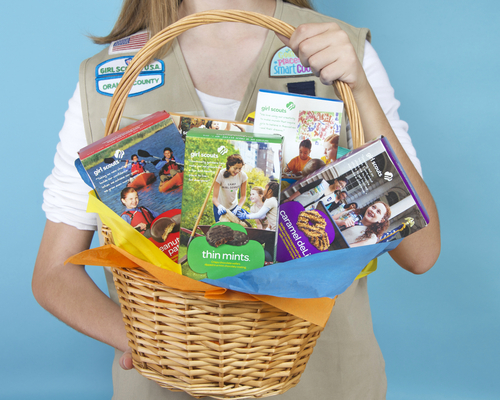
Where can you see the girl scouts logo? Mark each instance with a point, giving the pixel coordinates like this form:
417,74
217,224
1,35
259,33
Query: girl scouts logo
109,73
285,64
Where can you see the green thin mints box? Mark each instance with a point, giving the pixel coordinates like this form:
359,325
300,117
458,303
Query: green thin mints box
230,202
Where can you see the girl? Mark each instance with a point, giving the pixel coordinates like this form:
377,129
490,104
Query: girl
226,187
139,217
331,147
167,166
297,164
136,167
269,209
256,198
371,223
223,64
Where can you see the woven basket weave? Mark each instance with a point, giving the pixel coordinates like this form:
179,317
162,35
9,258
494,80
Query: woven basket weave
185,342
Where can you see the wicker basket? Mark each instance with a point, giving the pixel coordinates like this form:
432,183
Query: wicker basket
185,342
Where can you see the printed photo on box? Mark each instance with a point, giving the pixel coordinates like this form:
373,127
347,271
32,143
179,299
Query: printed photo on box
362,198
185,123
310,125
138,173
230,204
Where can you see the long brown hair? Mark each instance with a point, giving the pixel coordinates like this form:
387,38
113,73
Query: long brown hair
378,228
153,15
232,160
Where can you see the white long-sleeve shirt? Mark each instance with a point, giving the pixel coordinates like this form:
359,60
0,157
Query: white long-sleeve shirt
66,195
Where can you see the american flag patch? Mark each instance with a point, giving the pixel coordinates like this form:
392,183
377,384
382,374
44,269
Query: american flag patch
130,43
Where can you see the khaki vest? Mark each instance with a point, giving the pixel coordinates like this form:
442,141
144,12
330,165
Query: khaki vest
178,95
347,363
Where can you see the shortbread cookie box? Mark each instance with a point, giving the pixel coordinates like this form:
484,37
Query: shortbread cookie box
230,202
363,198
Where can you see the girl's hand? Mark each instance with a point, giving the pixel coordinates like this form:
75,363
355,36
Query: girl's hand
142,226
346,222
349,222
126,360
327,50
221,209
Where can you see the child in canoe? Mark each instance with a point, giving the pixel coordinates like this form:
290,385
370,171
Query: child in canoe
139,217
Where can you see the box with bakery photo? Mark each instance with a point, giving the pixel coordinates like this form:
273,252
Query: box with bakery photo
230,202
310,125
186,122
138,173
362,198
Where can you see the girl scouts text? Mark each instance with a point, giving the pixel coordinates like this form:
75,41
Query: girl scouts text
104,168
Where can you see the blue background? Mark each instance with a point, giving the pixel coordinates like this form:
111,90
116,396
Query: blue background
439,332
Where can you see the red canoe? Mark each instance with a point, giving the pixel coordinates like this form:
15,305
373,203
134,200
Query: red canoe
176,181
144,179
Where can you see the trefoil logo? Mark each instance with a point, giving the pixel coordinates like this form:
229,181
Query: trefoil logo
222,150
119,153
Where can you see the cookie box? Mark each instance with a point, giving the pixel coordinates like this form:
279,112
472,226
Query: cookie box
230,202
138,173
363,198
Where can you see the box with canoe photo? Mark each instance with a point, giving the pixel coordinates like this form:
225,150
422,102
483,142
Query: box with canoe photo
138,173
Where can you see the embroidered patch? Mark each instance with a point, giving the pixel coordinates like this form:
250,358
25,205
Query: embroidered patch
117,66
285,64
129,44
143,84
109,73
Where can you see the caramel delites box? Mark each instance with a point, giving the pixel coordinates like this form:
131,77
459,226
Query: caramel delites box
230,202
138,173
360,199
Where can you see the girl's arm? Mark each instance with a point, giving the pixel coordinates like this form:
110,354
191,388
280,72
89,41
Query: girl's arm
160,165
215,199
341,214
243,194
67,292
215,196
327,50
256,215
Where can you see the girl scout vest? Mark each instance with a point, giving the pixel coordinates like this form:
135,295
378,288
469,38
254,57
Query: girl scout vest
166,85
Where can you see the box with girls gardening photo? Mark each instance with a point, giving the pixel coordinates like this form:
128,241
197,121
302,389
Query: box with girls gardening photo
138,173
230,202
363,198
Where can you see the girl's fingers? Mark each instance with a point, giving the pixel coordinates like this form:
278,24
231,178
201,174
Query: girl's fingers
126,360
327,50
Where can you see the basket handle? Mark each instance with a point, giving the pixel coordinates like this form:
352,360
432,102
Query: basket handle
163,37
